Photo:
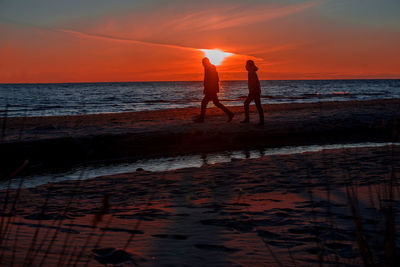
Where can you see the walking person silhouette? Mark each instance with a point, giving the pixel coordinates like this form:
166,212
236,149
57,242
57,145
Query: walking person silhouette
211,88
254,93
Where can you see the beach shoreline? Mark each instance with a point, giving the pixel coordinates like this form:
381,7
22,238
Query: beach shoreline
48,142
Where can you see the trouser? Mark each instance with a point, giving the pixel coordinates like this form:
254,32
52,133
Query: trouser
257,101
214,98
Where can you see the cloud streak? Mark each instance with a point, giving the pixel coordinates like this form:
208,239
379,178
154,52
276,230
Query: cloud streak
110,38
224,17
131,41
204,20
122,40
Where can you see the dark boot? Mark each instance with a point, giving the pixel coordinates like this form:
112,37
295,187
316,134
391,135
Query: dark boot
230,116
246,113
261,122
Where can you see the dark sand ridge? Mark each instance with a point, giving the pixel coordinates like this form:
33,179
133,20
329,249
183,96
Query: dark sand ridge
61,140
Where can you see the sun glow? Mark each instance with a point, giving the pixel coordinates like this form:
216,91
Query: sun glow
215,56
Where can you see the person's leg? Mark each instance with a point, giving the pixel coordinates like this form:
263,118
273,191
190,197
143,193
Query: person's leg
257,100
246,109
204,104
219,105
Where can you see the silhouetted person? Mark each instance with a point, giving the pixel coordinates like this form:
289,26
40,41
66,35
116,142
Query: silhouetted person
254,93
211,88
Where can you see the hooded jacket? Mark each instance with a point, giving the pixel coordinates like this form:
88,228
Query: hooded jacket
211,80
253,82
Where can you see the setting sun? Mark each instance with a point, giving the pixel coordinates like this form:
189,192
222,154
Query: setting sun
215,56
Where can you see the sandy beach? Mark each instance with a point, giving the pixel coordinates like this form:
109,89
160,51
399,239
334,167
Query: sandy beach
336,207
49,142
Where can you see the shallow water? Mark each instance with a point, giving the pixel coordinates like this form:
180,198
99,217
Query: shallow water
173,163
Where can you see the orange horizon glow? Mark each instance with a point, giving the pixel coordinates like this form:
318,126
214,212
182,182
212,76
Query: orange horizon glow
156,41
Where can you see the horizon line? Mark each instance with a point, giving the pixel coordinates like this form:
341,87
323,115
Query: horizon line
229,80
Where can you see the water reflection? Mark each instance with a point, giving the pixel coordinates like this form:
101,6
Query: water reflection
173,163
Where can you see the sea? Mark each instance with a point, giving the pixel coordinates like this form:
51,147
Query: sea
53,99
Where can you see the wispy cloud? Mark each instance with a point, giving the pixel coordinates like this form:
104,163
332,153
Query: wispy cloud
122,40
125,40
110,38
227,17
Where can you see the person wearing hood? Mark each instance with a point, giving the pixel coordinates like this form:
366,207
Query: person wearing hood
211,88
254,93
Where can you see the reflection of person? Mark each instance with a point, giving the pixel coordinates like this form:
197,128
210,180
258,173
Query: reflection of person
211,88
254,93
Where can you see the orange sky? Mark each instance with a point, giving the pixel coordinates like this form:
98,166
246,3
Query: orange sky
155,40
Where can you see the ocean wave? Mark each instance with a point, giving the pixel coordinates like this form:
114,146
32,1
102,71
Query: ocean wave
310,95
173,101
76,98
47,107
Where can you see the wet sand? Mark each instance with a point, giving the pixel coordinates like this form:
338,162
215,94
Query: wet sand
62,141
281,210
